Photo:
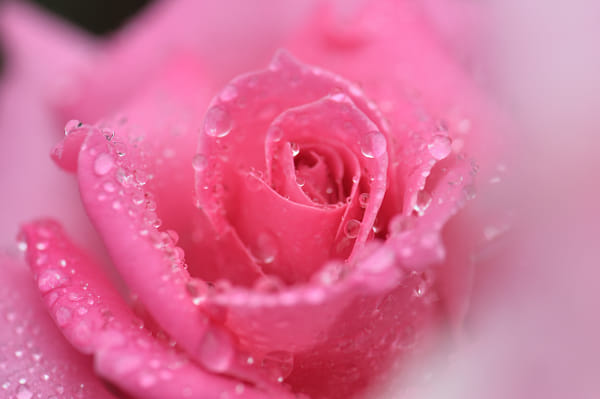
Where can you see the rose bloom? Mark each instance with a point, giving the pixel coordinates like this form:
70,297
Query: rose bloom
284,203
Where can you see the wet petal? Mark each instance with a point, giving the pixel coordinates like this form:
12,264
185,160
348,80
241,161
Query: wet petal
94,318
35,359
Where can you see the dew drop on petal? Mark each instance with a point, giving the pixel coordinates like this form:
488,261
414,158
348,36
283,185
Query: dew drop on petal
103,164
440,147
265,248
399,224
217,122
275,134
63,316
422,202
300,181
295,148
363,200
50,279
373,145
199,162
108,133
109,187
198,290
351,228
72,125
279,364
228,93
216,351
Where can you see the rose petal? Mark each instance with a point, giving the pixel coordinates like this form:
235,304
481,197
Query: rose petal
35,359
95,320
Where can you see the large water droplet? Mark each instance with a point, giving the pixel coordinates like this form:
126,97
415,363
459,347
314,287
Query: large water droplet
265,248
217,122
373,145
279,364
215,351
422,202
440,147
351,228
72,125
103,164
199,162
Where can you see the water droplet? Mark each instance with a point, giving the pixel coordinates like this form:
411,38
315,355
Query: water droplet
295,148
422,202
147,380
199,162
41,246
440,147
268,284
120,149
63,316
265,248
23,392
300,181
400,224
6,385
339,97
109,187
50,279
117,206
198,290
72,125
279,364
355,179
108,133
373,145
351,228
103,164
275,133
470,192
141,177
228,93
217,122
363,200
215,351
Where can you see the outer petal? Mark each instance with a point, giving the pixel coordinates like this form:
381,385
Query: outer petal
34,358
95,320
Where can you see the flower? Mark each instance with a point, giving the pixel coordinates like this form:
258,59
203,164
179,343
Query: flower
316,243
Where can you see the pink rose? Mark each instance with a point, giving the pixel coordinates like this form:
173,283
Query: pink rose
293,235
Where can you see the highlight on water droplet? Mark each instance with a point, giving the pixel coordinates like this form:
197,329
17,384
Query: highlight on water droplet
103,164
373,145
295,148
217,122
440,147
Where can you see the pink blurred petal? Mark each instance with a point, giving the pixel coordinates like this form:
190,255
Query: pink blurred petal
35,359
229,36
95,320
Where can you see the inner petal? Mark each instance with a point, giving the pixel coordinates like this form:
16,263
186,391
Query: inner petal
320,173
